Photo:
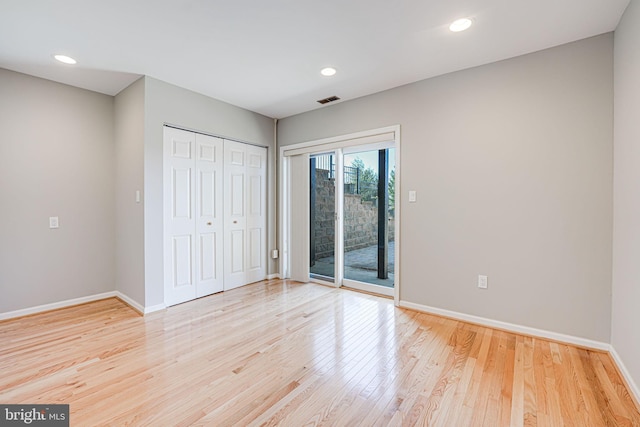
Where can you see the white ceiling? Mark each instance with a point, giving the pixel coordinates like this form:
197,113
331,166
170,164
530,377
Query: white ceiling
265,56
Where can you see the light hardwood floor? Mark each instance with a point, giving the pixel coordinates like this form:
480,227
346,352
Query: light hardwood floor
285,353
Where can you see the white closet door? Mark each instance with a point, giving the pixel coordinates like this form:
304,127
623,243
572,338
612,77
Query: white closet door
209,224
214,214
256,213
193,215
245,217
179,196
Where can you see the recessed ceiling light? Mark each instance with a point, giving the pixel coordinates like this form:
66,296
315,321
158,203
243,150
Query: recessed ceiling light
65,59
329,71
460,25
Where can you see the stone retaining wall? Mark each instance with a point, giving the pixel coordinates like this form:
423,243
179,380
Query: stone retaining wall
360,222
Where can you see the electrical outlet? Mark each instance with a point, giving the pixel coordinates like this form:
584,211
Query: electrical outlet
53,222
483,282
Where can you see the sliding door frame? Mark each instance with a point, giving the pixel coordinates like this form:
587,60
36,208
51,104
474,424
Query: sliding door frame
336,144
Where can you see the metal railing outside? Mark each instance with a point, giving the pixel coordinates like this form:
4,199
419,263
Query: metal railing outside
353,183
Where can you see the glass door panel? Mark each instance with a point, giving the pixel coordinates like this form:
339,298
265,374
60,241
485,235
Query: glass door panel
369,215
322,198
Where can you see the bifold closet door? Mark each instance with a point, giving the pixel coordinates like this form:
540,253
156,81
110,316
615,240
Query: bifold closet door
193,215
245,257
209,215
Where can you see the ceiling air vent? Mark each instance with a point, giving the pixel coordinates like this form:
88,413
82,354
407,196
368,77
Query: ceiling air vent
329,99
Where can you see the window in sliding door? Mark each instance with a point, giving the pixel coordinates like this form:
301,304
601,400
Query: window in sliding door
369,217
322,230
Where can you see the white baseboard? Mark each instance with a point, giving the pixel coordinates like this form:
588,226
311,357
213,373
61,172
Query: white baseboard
153,308
56,305
139,307
130,302
71,302
273,276
511,327
631,384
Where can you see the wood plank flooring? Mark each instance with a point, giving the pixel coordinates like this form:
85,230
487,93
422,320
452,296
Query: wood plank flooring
291,354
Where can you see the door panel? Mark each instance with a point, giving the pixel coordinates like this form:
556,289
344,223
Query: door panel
255,245
255,160
208,194
236,155
255,195
181,145
207,256
182,262
182,193
193,215
179,195
368,218
209,275
245,221
209,221
235,218
322,216
237,251
237,195
256,215
207,151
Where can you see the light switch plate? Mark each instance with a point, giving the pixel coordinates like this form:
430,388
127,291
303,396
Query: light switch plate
53,222
412,196
483,282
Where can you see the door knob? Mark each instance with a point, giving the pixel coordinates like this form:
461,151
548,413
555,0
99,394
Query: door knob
235,222
209,223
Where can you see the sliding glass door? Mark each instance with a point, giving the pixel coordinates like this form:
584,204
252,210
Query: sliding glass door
369,189
322,216
351,217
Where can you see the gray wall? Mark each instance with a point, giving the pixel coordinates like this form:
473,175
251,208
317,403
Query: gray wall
626,248
512,164
81,156
129,177
170,104
56,159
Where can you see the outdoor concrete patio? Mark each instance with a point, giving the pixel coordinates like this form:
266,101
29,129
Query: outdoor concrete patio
360,265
